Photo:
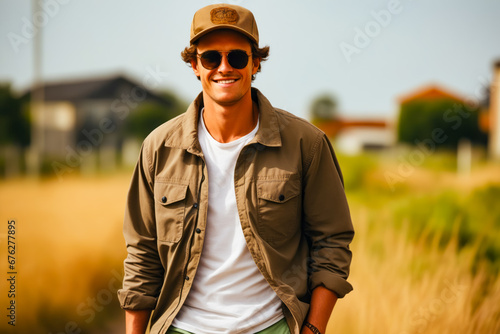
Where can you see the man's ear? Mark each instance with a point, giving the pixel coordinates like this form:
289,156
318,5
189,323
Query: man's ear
194,66
256,63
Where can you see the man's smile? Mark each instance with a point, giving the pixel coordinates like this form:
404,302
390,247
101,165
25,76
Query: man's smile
225,81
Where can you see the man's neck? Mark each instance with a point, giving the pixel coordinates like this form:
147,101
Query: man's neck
226,123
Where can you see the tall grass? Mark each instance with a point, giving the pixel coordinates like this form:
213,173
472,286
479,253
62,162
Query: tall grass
69,252
425,259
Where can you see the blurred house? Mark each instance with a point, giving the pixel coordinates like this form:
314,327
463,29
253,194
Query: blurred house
441,118
490,114
353,136
79,118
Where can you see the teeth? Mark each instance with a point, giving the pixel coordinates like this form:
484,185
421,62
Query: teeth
226,81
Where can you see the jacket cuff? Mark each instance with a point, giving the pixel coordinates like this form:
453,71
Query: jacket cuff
330,281
130,300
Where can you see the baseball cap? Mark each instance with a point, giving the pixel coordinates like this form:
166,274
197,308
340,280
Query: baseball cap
224,16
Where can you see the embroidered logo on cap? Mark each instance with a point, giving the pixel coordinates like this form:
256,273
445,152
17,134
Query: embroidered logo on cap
223,15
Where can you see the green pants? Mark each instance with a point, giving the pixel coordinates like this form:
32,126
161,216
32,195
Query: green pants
278,328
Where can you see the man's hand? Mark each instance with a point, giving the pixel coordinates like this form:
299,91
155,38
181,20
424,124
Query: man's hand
137,321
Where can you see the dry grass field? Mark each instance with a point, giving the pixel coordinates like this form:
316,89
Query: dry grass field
411,273
70,251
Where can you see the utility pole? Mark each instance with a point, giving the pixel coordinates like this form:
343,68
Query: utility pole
37,98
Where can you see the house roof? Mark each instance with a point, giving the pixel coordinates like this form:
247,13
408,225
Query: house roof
429,92
95,88
334,127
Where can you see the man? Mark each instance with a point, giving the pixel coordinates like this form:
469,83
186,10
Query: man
236,219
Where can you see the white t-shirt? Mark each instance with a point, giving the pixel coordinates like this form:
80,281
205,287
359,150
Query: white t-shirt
229,294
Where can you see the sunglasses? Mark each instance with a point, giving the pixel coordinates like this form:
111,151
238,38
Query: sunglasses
236,58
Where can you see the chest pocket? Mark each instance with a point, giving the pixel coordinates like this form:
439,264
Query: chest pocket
170,209
278,209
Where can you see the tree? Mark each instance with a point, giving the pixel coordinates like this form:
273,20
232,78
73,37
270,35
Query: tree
323,109
149,115
14,121
453,120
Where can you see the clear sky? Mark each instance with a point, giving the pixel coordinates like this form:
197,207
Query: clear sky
366,53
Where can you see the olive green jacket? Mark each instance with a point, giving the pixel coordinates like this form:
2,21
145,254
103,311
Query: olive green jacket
291,203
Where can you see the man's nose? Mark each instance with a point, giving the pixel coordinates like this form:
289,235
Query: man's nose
224,64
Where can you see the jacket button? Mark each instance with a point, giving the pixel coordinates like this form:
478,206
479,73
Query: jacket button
187,278
281,198
164,199
195,205
198,230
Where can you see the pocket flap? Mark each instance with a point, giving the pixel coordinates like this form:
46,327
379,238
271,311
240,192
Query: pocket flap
168,193
278,191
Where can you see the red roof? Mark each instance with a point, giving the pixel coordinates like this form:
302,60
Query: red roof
429,92
332,128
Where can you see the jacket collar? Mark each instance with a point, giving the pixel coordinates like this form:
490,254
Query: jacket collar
186,137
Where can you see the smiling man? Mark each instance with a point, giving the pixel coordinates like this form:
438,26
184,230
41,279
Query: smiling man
236,218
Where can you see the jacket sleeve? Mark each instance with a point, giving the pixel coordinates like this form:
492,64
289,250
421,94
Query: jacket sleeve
143,270
327,220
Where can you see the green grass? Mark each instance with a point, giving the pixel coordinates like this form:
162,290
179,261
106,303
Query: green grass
443,211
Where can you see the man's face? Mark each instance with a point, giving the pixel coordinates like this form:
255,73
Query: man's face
224,84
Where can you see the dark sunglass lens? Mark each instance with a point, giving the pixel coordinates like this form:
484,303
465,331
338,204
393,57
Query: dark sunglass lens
210,59
237,59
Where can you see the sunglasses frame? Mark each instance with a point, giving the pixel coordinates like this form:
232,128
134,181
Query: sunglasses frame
201,55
